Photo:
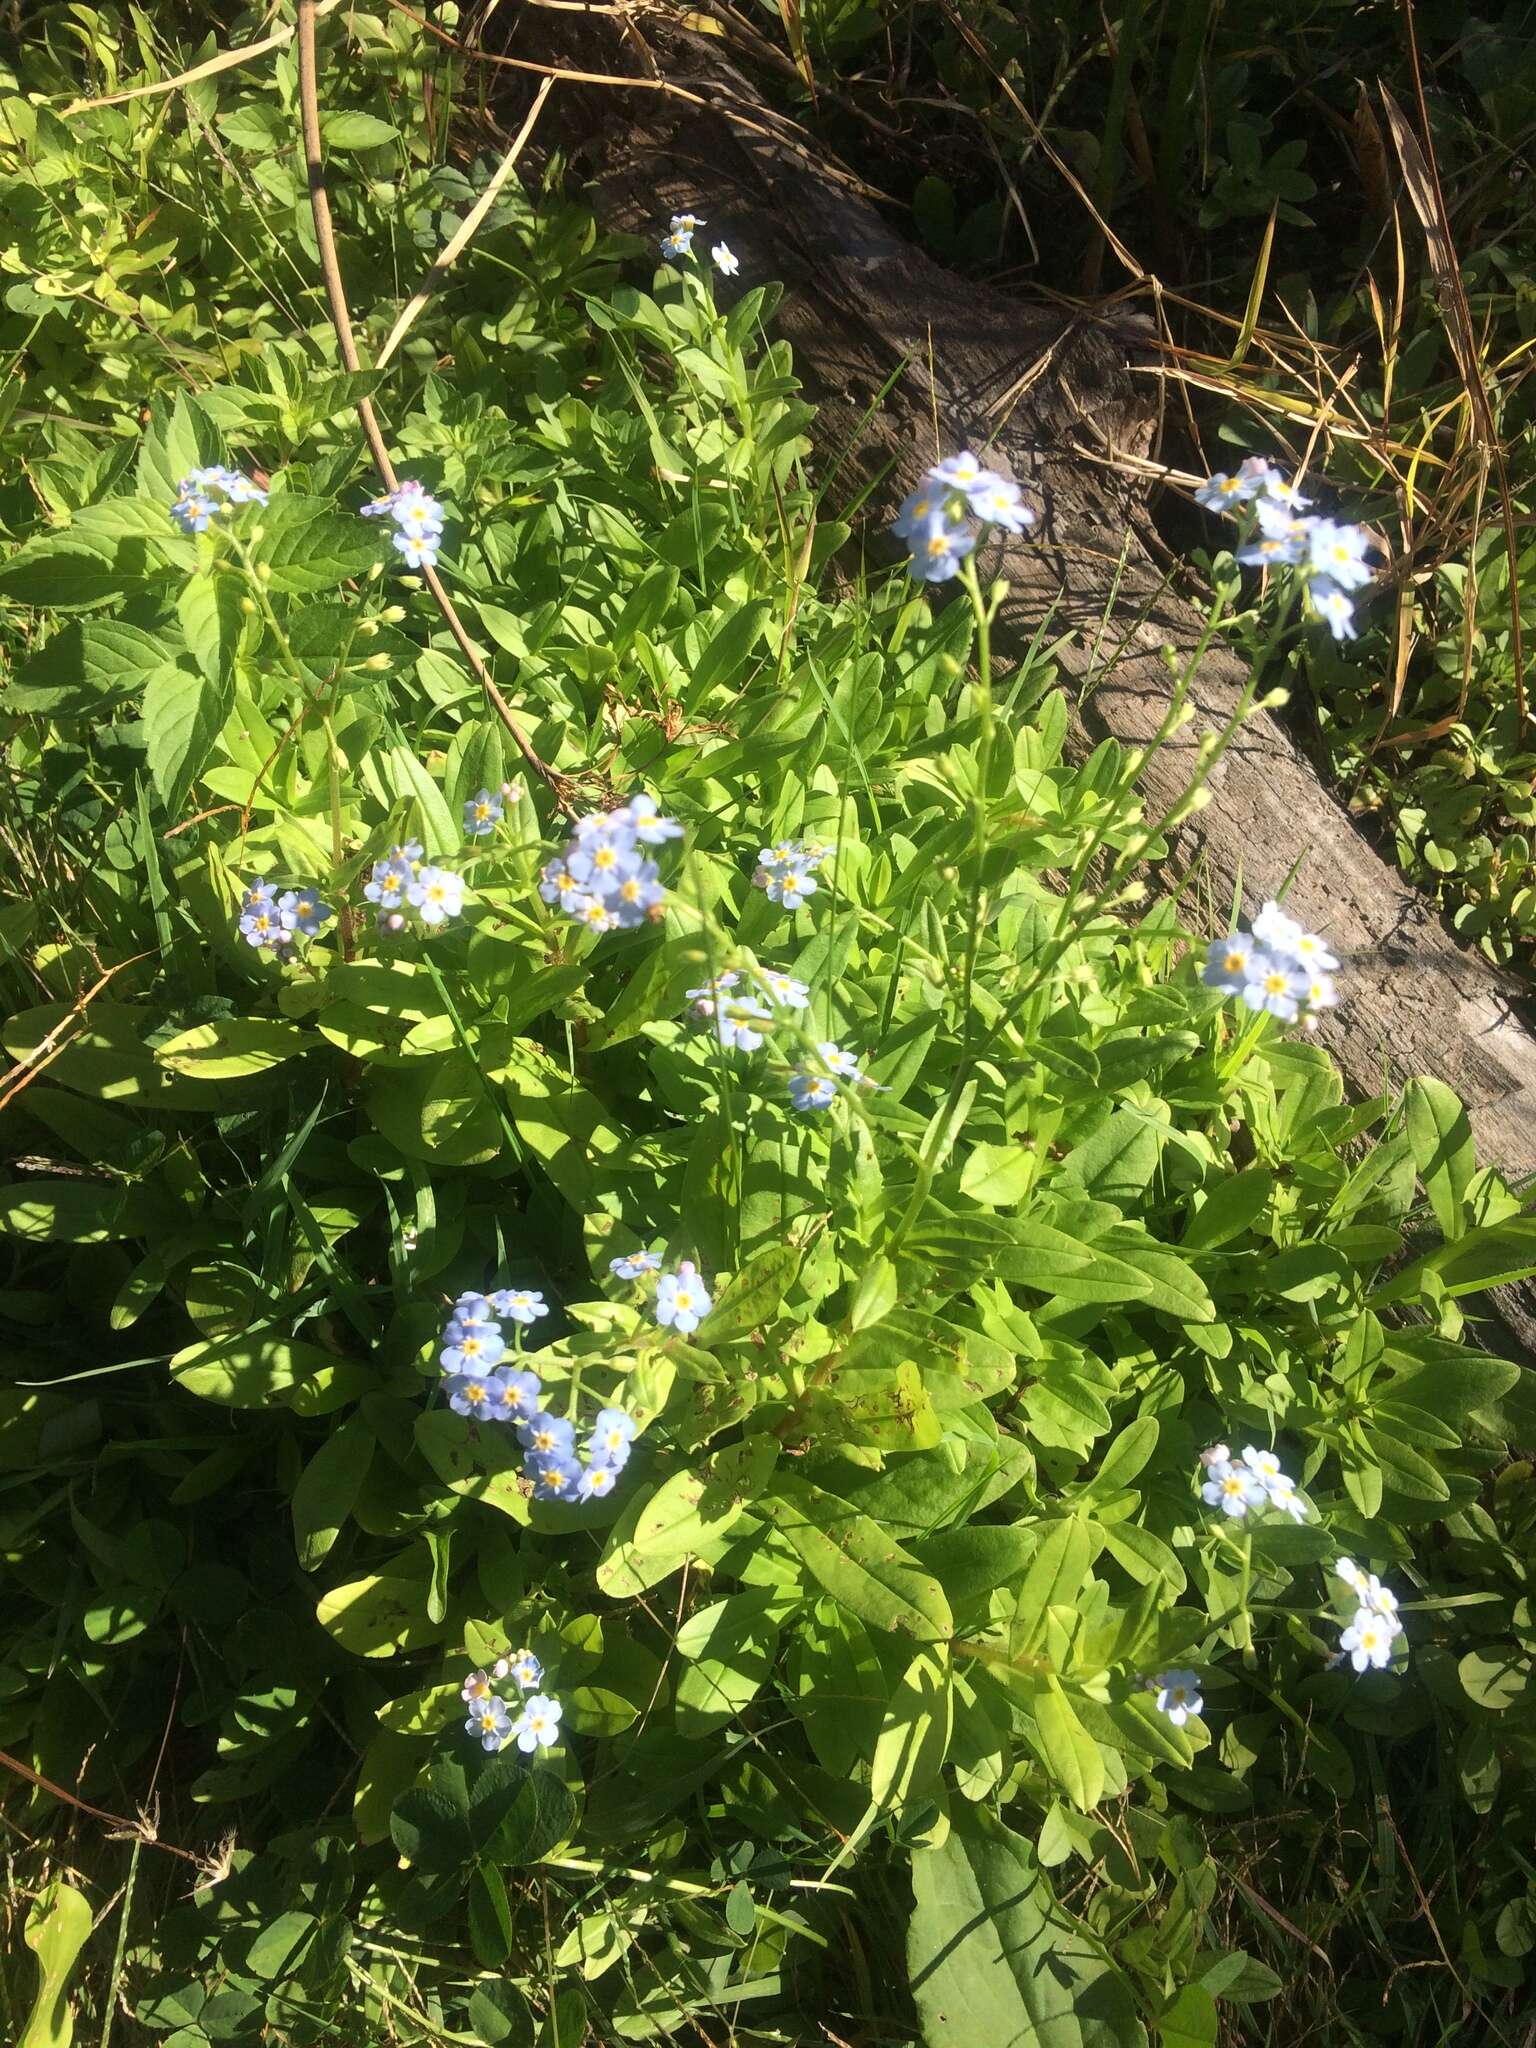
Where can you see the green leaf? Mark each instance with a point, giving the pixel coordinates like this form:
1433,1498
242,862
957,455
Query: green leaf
1126,1455
328,1488
998,1176
233,1048
518,1811
307,546
1441,1136
431,1831
87,665
348,130
852,1558
723,659
1496,1677
499,2015
1190,2022
180,437
1117,1162
1071,1754
184,713
688,1515
65,572
752,1297
381,1616
914,1733
57,1927
1231,1209
490,1916
995,1962
728,1650
255,1368
72,1211
210,609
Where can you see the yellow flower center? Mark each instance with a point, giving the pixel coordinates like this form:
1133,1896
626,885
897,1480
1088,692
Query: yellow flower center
684,1300
1235,962
938,544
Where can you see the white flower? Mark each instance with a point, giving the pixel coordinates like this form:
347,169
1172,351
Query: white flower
1178,1695
1218,1454
1338,552
1264,1466
1283,1495
1382,1601
1332,607
725,262
1368,1640
1346,1569
1232,1488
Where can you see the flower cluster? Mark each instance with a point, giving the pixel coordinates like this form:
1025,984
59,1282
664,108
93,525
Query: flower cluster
678,240
941,520
1254,1481
203,494
787,872
483,1383
814,1082
418,522
603,878
1329,556
1277,967
537,1722
737,1020
1367,1641
273,922
404,880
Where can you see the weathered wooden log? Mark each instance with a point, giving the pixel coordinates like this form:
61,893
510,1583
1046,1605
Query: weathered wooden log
1049,393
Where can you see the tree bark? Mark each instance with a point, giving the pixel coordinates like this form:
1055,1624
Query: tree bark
1051,394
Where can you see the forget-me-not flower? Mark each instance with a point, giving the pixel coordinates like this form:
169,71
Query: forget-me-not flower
555,1477
1232,1488
490,1722
782,989
545,1435
538,1726
682,1300
472,1394
1368,1640
811,1091
519,1304
1178,1695
597,1481
523,1668
613,1431
632,1264
435,894
471,1347
524,1391
725,262
482,814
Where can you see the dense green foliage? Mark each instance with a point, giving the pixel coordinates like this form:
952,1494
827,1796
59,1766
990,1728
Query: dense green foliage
857,1736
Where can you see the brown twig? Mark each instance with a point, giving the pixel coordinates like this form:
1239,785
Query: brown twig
140,1830
341,319
27,1069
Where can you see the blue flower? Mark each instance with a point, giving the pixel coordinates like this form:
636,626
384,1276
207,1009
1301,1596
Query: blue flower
412,510
260,922
811,1091
678,243
962,472
546,1436
538,1726
1229,963
637,897
523,1668
782,989
524,1391
713,987
416,551
938,552
1275,987
387,885
1225,493
558,885
1280,537
482,814
843,1064
734,1020
435,894
1178,1695
490,1721
788,887
997,503
521,1304
682,1300
602,860
472,1394
633,1264
473,1311
598,1480
1332,607
647,822
613,1432
301,912
474,1347
1337,554
554,1478
204,493
918,511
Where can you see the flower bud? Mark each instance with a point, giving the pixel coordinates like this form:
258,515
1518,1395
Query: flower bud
377,661
264,572
247,604
366,628
256,531
394,613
